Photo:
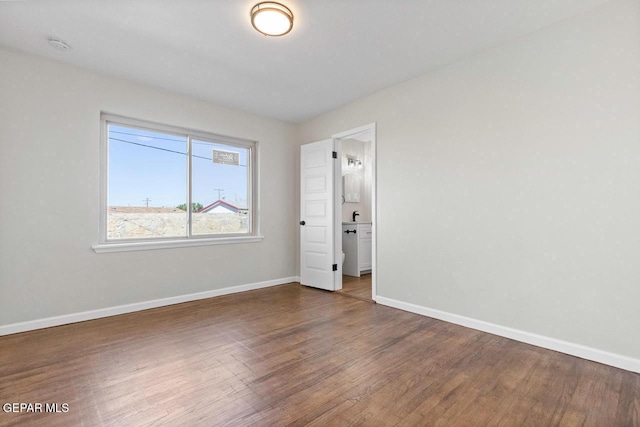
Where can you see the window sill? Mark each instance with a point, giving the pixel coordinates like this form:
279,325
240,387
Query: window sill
170,244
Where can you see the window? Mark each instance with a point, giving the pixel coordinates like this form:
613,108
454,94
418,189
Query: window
165,186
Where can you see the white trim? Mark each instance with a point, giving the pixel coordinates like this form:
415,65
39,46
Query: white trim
374,209
48,322
337,214
584,352
168,244
254,191
103,167
355,131
370,128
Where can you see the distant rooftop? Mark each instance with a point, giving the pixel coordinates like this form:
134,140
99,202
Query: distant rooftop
240,204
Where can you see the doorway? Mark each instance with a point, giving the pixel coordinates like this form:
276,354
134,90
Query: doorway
322,188
357,225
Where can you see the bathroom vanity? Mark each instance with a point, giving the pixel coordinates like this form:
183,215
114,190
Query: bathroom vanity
356,245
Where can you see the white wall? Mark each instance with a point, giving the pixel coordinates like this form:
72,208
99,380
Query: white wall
49,170
519,171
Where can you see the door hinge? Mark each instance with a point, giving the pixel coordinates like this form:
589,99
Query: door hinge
335,267
335,155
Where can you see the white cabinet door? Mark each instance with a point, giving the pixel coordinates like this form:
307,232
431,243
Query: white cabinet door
356,244
364,254
350,249
364,247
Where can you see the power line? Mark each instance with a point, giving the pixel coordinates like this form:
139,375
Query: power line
151,146
152,137
163,149
147,200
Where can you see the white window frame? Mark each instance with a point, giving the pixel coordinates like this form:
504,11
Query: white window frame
120,245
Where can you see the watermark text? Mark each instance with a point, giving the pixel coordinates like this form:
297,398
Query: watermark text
34,407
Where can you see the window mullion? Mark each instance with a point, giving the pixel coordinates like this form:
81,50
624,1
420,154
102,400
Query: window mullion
250,207
189,188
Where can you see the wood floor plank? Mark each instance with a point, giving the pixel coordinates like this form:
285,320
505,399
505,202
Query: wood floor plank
357,287
292,355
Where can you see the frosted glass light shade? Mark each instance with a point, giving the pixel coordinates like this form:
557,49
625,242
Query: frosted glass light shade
271,18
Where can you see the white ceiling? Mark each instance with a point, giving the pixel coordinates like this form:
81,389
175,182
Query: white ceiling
338,50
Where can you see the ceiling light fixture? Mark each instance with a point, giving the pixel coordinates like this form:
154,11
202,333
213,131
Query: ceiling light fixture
271,18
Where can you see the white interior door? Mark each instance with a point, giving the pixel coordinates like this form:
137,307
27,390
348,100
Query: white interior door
318,266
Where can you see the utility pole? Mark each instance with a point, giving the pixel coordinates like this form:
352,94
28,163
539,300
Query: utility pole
219,190
147,200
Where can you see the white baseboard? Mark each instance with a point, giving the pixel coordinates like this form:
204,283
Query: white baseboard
600,356
48,322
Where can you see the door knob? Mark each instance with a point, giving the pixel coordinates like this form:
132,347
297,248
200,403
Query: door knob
302,223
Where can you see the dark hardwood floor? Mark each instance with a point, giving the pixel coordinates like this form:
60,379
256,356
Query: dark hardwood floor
357,287
292,355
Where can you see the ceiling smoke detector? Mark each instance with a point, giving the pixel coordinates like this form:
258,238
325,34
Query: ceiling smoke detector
58,44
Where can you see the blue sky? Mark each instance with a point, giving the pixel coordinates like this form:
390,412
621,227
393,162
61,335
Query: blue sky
145,164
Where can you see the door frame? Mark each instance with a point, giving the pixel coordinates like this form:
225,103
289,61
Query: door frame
337,138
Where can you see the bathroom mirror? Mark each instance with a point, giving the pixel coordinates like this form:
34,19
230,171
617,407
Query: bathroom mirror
351,188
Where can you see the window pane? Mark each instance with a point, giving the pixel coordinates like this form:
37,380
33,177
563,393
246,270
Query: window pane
219,188
147,184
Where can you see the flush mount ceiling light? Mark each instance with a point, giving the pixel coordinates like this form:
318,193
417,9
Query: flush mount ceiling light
271,18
